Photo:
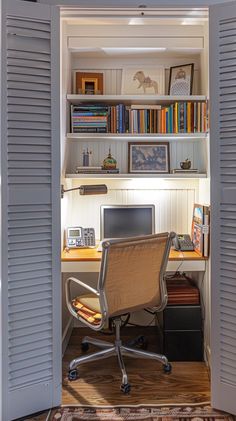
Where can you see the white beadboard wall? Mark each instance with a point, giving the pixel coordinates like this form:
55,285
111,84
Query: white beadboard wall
195,150
173,200
112,69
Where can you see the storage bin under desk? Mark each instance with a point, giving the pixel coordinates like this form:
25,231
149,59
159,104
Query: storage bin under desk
181,327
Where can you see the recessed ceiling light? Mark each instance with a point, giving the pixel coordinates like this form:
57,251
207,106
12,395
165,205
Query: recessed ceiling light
136,21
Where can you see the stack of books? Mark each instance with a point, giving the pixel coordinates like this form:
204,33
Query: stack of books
181,171
184,117
200,229
96,170
89,118
179,117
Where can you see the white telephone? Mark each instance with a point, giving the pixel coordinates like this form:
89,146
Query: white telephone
77,237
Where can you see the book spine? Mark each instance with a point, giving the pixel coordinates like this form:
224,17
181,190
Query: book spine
206,228
90,130
189,117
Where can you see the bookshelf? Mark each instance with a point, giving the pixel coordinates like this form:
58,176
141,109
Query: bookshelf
182,145
191,137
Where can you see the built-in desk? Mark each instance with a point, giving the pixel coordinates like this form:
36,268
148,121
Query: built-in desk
88,260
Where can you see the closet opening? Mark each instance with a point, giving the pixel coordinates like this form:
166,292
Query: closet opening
131,81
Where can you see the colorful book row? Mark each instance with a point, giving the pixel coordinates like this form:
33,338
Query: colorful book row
179,117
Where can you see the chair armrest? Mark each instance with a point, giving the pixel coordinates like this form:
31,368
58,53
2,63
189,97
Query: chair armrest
68,293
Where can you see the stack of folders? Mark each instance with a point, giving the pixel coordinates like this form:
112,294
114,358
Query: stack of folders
200,229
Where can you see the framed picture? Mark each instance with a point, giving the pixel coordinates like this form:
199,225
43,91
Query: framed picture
181,80
148,157
88,83
143,80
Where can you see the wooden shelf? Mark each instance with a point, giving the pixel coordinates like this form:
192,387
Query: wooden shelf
134,99
131,176
92,255
143,136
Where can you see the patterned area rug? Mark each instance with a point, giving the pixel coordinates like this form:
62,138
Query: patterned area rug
140,413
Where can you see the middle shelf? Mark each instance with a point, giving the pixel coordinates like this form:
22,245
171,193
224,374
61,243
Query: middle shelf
80,137
131,175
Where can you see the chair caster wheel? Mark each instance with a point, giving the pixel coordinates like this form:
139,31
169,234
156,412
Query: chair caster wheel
84,346
142,342
73,375
167,368
125,388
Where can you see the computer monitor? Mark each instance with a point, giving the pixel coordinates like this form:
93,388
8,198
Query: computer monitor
121,221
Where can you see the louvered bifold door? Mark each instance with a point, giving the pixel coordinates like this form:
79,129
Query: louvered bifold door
223,196
30,186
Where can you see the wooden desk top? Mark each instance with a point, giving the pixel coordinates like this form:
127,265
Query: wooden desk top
92,255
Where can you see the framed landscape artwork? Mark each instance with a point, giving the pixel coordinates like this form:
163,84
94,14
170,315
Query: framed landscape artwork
149,157
142,80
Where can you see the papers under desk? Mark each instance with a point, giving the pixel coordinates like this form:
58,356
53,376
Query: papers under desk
88,260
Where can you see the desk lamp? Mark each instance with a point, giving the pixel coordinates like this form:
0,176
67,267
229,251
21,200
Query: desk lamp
87,189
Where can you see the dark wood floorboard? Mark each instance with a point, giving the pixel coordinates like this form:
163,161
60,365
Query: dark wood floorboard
99,382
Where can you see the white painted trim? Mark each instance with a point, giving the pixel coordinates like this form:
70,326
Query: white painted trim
67,334
182,43
56,200
124,4
153,31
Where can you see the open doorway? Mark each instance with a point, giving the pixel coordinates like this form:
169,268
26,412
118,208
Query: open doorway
97,45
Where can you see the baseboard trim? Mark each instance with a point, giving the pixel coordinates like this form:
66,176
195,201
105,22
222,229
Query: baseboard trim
67,334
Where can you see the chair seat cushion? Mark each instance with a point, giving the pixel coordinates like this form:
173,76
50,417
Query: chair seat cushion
88,307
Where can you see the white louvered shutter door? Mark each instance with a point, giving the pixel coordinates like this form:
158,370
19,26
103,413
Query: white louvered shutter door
30,187
223,192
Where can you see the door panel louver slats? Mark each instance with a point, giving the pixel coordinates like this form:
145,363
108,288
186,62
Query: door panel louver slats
29,221
223,191
30,209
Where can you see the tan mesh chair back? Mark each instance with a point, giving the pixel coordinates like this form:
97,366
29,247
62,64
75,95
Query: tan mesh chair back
132,272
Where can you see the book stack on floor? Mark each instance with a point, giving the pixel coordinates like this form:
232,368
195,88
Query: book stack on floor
200,229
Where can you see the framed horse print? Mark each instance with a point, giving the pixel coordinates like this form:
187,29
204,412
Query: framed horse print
143,80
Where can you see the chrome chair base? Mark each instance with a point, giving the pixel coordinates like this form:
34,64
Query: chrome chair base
108,350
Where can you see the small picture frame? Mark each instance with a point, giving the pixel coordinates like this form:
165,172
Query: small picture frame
88,83
148,157
143,80
181,80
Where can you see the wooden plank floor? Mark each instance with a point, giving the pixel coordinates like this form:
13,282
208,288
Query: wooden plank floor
99,382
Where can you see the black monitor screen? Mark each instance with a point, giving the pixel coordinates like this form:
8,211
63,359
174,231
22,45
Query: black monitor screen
127,221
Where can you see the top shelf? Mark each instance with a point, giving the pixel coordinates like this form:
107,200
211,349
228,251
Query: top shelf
134,99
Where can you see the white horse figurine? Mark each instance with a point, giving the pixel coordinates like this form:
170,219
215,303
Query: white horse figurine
145,81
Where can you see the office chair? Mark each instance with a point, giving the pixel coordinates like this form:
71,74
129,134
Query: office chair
131,278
